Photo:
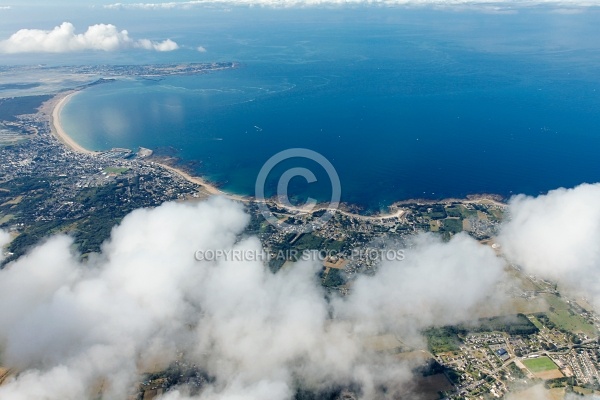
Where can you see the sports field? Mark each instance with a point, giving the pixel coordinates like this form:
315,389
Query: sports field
540,364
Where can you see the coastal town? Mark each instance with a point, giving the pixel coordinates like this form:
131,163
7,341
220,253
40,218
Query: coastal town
38,161
502,355
49,187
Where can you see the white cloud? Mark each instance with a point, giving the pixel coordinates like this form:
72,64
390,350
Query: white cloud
69,325
63,39
557,235
166,45
201,49
5,8
496,4
423,288
156,6
567,11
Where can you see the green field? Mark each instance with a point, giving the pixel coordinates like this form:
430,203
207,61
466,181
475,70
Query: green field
453,225
561,315
442,340
5,218
461,211
115,170
540,364
536,322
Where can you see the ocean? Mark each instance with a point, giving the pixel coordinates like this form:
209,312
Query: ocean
401,109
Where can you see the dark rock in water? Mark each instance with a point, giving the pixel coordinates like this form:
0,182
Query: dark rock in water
165,151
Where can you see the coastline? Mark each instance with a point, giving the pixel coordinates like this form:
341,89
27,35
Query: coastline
211,189
54,107
57,104
485,198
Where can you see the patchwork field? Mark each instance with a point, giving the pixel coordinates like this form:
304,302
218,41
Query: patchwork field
537,392
545,375
564,318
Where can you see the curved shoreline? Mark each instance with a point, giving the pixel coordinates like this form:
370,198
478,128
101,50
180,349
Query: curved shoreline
55,106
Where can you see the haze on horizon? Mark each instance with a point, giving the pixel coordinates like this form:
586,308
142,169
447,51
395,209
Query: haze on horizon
190,25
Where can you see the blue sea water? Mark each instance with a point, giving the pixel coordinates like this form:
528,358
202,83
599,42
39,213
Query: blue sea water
401,110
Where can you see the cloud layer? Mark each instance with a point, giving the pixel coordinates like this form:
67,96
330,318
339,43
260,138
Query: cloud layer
63,39
557,235
73,326
500,4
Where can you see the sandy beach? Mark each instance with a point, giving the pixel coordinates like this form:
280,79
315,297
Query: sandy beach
54,107
211,189
57,104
